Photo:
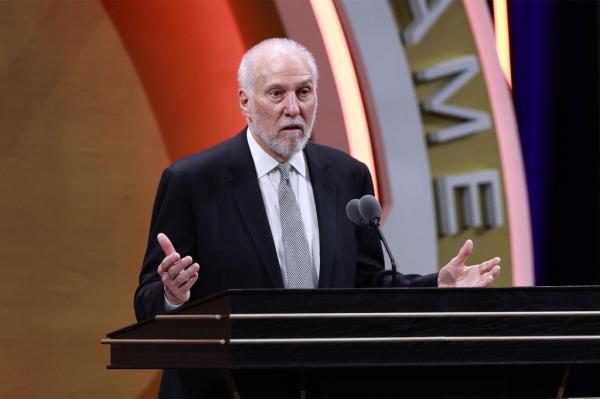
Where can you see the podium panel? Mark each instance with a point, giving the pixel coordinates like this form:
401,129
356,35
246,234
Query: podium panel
333,341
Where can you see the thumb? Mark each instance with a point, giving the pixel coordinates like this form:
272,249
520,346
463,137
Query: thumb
165,244
463,254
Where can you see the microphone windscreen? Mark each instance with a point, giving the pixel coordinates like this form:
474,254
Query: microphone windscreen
369,208
353,212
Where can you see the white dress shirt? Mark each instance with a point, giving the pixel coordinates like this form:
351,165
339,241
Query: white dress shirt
268,180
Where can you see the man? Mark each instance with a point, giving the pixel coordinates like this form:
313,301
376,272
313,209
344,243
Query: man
266,209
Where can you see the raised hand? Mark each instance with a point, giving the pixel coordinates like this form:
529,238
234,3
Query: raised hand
457,274
178,275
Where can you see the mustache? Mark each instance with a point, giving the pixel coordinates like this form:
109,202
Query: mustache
296,123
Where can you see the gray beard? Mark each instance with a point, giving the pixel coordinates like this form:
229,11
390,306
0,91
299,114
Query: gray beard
285,152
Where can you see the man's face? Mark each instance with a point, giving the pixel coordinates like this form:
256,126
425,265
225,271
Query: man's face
282,107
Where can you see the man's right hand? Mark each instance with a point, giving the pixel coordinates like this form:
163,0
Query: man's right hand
178,275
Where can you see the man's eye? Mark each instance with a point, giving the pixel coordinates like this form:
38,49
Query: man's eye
275,93
304,92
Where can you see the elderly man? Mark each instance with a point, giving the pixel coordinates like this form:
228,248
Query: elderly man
266,209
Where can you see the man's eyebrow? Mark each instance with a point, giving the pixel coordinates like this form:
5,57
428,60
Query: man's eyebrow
275,85
278,85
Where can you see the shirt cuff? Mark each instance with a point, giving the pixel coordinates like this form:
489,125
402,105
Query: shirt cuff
169,306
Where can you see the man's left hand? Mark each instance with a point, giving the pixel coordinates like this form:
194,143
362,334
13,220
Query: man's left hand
457,274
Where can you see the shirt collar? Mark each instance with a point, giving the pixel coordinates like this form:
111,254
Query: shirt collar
264,163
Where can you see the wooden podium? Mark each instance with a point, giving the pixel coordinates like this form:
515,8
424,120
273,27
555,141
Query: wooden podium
400,342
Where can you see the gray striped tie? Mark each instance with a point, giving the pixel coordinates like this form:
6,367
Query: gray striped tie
298,265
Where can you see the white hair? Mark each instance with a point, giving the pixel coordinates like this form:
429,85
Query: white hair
279,44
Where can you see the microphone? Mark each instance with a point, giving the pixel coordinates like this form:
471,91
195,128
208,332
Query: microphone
370,209
353,212
367,212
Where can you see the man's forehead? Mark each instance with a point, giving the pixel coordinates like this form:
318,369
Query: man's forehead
282,66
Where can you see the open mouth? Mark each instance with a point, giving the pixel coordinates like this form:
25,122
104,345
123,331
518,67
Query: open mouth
293,127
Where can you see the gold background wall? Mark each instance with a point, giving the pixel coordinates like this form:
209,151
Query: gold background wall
80,157
451,38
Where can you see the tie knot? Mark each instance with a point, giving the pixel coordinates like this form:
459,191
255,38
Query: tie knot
284,170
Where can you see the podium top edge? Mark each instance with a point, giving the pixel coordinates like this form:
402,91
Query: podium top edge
593,290
321,291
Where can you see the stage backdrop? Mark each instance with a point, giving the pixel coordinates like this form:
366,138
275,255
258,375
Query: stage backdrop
97,97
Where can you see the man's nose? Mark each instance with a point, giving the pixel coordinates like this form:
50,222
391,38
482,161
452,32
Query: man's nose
292,108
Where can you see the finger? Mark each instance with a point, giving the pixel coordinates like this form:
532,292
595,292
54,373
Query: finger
165,244
188,284
179,266
463,254
496,271
185,274
489,278
489,265
169,274
167,262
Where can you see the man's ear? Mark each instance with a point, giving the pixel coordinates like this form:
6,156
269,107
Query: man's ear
244,106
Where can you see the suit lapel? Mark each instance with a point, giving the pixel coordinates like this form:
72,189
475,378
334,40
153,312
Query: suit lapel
325,200
248,199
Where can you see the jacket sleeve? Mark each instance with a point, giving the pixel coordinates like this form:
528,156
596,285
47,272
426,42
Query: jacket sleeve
172,215
371,267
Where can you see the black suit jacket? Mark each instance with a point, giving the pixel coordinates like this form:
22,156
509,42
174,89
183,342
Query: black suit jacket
210,206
